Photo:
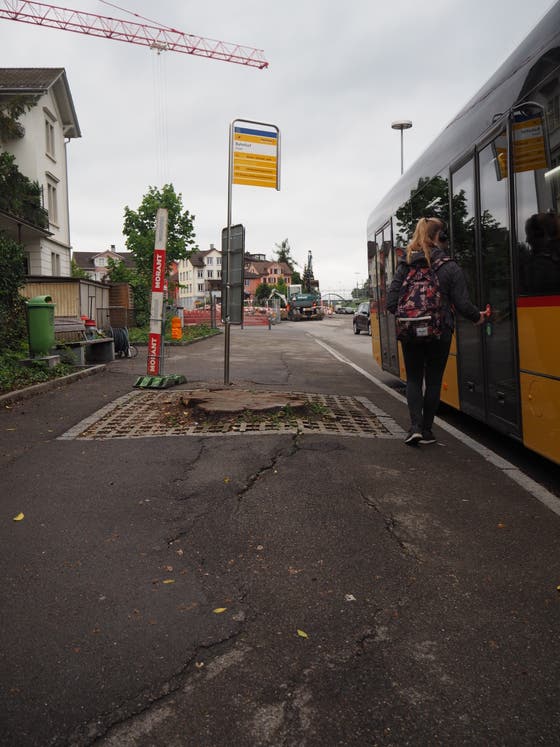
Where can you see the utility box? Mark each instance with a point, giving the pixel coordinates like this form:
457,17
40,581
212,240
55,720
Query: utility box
40,325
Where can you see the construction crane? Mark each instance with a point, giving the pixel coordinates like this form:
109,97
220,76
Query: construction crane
163,38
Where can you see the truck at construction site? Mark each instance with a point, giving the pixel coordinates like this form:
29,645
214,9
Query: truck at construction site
304,301
304,306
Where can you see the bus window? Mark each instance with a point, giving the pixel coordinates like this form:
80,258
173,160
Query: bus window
538,224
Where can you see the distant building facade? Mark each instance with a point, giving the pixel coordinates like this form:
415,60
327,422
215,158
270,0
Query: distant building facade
201,275
96,264
198,277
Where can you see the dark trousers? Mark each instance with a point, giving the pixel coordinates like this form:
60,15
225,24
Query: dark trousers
425,364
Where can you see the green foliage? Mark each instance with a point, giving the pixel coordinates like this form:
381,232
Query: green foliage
14,376
11,109
12,305
118,272
296,278
77,272
19,195
139,229
281,287
262,292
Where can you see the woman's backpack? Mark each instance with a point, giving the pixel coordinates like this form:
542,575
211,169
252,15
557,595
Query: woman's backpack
419,315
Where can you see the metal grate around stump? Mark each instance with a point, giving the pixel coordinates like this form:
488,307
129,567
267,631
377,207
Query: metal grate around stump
142,414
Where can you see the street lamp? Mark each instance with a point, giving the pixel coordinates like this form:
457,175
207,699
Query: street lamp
401,124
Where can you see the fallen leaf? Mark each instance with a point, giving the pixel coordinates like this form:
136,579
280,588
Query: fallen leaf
9,429
349,598
302,633
227,479
199,664
219,610
501,526
19,517
169,581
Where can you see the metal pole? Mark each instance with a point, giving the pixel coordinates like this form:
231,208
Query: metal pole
225,301
402,151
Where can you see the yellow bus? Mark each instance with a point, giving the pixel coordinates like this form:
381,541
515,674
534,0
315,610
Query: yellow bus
493,175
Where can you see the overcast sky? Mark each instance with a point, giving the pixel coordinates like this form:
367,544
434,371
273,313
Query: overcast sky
339,74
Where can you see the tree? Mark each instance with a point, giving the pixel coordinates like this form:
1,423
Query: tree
11,109
139,229
283,254
262,292
118,272
77,272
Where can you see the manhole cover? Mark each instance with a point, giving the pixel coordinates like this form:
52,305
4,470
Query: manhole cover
141,414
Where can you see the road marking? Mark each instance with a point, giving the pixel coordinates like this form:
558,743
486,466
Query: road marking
531,486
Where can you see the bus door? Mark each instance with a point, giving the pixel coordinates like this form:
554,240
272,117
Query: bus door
385,272
487,357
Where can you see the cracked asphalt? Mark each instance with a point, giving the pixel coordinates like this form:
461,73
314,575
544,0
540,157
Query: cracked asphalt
291,590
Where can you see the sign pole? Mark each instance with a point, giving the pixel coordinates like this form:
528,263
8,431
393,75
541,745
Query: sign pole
156,340
254,158
157,315
225,301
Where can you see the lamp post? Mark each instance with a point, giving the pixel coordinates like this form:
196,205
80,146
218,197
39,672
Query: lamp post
402,124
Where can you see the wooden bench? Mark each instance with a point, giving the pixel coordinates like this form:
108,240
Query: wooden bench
88,352
71,338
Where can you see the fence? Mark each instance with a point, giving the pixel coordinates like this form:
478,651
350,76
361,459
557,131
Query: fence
251,317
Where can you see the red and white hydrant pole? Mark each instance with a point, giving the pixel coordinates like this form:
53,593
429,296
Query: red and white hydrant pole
157,315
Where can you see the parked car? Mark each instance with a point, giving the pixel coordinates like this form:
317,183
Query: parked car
360,322
344,309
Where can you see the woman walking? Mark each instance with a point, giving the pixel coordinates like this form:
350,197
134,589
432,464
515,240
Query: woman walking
425,358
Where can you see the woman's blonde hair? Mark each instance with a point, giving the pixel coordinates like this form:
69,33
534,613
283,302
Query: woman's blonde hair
424,237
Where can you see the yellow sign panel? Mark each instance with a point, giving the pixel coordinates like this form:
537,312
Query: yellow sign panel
255,157
529,152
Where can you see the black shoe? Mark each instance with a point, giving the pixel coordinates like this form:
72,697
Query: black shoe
413,437
427,438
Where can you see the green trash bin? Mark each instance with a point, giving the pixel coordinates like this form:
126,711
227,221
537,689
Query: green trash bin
40,325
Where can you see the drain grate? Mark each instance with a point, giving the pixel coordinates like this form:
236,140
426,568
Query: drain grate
142,414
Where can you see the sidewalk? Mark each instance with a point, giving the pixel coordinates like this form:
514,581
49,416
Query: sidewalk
289,588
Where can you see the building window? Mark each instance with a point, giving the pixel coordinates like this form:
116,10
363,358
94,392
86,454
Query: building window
200,273
218,273
209,273
201,287
55,264
218,261
52,202
209,260
49,138
100,261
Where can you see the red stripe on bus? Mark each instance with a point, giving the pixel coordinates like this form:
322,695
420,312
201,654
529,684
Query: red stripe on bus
532,301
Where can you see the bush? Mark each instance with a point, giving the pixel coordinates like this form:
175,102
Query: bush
14,376
12,305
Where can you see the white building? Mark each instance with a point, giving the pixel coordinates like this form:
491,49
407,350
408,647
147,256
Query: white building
40,155
199,276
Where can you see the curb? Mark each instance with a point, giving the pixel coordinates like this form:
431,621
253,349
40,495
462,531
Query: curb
45,386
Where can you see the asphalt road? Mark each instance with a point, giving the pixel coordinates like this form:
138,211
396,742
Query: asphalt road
277,589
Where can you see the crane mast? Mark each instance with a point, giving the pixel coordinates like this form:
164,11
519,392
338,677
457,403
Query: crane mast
148,35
